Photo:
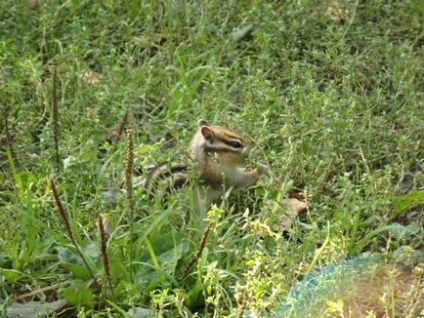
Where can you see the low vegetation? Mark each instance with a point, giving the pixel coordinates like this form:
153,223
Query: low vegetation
94,92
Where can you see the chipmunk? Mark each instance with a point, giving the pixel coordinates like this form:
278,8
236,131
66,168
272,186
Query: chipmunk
216,154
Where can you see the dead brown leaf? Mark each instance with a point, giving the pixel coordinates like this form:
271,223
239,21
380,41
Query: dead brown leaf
336,12
90,77
286,212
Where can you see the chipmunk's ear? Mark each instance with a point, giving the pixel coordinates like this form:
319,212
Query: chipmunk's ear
207,133
202,122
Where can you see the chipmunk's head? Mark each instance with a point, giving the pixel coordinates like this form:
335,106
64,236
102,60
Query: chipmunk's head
217,139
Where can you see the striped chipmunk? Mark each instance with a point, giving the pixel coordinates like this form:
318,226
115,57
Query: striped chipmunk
216,155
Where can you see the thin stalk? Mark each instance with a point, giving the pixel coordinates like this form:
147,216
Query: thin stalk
129,162
55,113
64,216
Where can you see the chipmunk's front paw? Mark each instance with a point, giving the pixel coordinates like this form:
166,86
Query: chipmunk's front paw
263,169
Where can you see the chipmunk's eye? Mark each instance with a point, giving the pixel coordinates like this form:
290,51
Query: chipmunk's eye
209,139
235,144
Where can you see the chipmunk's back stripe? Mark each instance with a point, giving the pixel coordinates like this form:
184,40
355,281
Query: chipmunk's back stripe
163,170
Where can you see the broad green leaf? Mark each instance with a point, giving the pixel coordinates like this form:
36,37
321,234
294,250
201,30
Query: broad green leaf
11,275
407,201
78,294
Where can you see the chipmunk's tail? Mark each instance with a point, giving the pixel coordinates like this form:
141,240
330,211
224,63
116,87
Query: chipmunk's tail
173,176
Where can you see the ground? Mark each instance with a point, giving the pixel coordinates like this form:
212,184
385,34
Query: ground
331,92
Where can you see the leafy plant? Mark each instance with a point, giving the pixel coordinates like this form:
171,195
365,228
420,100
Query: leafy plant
330,93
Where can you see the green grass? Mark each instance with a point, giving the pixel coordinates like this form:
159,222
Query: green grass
335,108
